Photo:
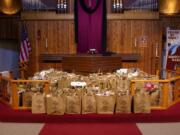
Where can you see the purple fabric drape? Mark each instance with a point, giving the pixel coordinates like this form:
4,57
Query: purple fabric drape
90,27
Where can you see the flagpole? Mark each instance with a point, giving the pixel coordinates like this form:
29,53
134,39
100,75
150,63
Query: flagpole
25,50
23,68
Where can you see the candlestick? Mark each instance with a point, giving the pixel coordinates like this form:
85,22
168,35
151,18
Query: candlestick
156,49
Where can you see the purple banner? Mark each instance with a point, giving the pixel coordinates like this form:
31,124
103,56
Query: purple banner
90,25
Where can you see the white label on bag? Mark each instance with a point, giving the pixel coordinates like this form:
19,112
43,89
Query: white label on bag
78,84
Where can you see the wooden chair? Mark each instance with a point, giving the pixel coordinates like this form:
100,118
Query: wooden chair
177,85
5,86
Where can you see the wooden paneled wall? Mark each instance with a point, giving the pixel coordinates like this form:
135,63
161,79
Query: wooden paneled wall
57,37
171,22
9,27
53,37
124,36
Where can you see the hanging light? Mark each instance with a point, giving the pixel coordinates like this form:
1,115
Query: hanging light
169,6
10,7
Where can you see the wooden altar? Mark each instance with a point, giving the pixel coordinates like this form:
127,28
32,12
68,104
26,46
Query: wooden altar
89,60
85,64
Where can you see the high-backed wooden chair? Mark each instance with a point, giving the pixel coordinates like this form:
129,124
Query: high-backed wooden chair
177,85
5,86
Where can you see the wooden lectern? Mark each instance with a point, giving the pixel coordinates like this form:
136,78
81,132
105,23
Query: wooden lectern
85,64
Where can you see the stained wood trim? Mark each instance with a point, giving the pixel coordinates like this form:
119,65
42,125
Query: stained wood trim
135,15
51,15
59,57
10,16
51,57
45,15
161,15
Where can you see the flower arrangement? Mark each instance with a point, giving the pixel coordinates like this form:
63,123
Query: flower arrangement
150,87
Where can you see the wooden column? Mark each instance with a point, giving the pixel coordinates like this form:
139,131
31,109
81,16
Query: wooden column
15,99
165,94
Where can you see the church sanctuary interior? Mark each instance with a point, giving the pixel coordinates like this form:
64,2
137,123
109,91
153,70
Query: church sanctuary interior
89,67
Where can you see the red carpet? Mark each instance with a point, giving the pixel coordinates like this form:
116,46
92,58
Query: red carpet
90,129
170,115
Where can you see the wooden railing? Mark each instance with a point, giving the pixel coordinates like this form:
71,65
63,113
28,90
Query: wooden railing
164,104
15,98
175,81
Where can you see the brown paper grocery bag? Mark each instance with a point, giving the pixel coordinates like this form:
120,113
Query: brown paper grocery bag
27,98
55,105
126,84
155,98
64,83
123,104
73,104
139,86
105,104
114,84
88,104
142,103
38,103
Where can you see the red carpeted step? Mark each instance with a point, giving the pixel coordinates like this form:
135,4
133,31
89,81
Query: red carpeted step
170,115
90,129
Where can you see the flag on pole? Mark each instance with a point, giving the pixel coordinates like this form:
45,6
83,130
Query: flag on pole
25,48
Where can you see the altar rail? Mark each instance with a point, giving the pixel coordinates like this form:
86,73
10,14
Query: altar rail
173,81
15,98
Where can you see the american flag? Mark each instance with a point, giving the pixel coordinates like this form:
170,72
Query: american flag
25,45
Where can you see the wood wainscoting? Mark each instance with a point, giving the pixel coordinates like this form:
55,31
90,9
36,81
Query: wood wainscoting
132,35
123,36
